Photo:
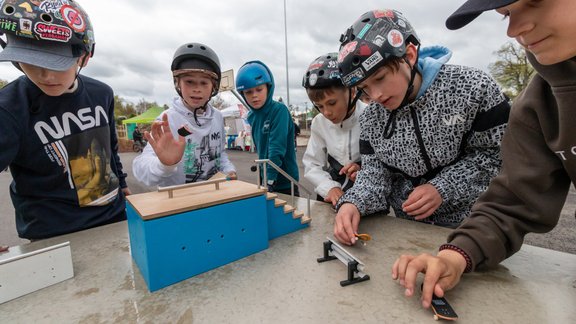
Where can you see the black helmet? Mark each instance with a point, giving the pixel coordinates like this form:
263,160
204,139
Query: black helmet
375,37
323,73
196,57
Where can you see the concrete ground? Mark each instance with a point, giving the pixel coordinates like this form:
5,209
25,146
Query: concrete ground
562,238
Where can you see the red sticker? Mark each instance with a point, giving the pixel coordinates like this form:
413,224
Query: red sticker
347,49
364,50
383,13
73,18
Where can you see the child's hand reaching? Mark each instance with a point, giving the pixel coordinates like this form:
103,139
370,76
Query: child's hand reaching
422,202
351,170
168,149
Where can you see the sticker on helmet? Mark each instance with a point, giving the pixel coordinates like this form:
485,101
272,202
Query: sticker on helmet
8,25
73,18
26,26
52,6
313,79
383,13
379,40
395,38
26,6
364,50
347,49
315,66
364,30
372,61
353,77
52,32
401,23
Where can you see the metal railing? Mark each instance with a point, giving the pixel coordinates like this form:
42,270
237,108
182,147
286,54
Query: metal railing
287,176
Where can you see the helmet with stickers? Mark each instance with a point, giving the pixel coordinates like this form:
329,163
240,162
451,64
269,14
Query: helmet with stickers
43,26
196,57
374,38
323,73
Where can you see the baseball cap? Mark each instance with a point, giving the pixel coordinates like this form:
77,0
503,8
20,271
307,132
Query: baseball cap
472,9
48,55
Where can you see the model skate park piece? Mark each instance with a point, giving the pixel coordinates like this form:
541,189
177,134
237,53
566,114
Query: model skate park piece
181,231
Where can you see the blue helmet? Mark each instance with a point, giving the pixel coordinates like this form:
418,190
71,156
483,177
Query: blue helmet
252,74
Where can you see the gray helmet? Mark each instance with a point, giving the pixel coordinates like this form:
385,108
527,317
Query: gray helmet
323,73
197,56
375,37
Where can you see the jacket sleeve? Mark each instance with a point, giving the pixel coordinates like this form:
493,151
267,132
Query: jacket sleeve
314,161
373,183
148,169
279,133
479,160
527,195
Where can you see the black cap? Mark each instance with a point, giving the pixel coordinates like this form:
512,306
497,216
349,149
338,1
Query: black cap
472,9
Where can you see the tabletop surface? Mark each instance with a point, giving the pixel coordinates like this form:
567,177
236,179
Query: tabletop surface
285,283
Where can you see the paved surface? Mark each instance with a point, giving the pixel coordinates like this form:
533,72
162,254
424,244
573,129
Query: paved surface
562,238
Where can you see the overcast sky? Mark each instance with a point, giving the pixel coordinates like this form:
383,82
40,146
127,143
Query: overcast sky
135,40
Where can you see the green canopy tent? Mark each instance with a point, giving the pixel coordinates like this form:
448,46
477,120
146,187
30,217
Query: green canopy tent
145,118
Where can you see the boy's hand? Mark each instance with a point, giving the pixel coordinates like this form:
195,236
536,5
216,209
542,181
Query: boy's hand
126,191
232,176
333,195
168,150
422,201
351,170
346,224
442,273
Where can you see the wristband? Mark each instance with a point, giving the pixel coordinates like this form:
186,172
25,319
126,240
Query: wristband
452,247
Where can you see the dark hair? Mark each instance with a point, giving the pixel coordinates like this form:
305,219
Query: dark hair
319,94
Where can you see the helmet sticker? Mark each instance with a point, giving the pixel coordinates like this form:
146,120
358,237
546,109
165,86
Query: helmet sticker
372,61
73,18
26,6
52,6
8,25
26,26
364,30
383,14
53,32
364,50
401,23
315,65
347,49
313,79
379,40
395,38
353,76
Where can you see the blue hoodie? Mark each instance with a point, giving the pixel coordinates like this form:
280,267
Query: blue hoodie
273,133
430,60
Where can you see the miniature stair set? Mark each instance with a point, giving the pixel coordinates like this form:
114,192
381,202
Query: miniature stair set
180,231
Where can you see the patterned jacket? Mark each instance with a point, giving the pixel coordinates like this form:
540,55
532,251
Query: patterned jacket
448,137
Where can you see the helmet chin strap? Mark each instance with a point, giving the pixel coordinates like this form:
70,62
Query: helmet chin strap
74,84
390,126
351,104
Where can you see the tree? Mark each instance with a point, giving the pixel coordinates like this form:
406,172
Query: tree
3,83
512,69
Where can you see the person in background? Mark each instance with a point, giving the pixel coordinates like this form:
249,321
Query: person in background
539,163
332,157
187,141
271,125
137,137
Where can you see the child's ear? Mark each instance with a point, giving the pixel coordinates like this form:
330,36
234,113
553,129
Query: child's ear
411,53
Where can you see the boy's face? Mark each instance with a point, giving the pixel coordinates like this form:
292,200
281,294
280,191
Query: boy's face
546,28
196,89
256,97
52,83
334,105
387,86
